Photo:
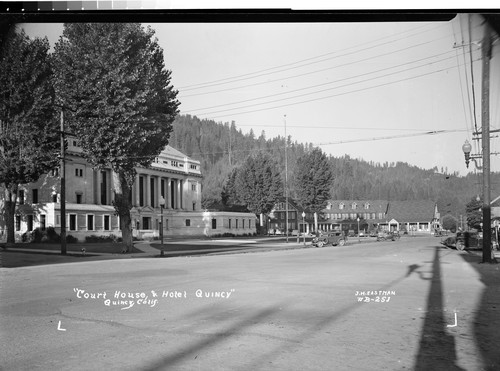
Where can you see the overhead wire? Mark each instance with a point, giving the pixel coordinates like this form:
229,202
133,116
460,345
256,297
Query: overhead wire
332,82
306,73
247,75
327,97
466,78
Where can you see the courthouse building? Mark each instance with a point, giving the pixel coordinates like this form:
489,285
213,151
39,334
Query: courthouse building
173,181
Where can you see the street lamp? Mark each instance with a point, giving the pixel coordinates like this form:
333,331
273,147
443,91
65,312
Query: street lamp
359,239
304,227
467,148
162,204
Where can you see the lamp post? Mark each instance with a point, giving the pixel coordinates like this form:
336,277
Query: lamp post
63,187
303,226
162,204
359,239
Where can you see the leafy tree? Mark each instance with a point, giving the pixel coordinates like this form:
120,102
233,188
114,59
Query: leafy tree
259,184
450,223
29,129
313,178
474,213
121,105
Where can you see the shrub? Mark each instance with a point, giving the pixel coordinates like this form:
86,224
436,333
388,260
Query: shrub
36,235
71,239
100,239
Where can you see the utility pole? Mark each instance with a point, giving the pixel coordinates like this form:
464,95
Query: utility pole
63,187
286,181
485,103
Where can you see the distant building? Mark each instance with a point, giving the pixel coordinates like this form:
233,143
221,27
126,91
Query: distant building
412,216
277,218
173,178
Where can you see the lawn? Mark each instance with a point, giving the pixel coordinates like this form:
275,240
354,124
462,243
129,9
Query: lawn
105,247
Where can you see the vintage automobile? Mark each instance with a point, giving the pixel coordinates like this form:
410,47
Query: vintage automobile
386,235
332,238
467,240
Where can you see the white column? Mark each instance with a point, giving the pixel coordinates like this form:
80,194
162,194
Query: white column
168,193
181,206
111,187
158,191
98,186
148,190
137,190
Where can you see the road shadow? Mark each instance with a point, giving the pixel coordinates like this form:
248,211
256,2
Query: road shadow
436,348
214,338
487,318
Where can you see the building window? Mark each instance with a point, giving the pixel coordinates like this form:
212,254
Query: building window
243,223
72,222
78,198
236,224
194,206
21,197
188,222
380,215
146,221
341,206
79,172
35,196
354,206
104,186
249,223
106,222
54,172
175,163
58,219
152,189
43,222
18,223
214,223
367,206
54,197
230,223
30,222
75,143
194,167
141,191
193,187
90,222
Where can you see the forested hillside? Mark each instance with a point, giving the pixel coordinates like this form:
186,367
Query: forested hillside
221,147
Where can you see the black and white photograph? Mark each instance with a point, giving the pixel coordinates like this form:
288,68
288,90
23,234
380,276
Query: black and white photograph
248,188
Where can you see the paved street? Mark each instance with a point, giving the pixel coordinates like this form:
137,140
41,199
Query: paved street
410,304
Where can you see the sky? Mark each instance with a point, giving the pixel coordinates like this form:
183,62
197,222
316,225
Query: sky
370,90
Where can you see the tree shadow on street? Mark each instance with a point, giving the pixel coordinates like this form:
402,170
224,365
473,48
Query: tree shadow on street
436,348
487,319
197,346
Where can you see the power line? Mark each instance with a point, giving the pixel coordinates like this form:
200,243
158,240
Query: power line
334,82
434,132
305,73
246,76
329,96
323,127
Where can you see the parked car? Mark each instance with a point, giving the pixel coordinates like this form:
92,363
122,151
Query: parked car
449,241
467,240
333,238
373,233
386,235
